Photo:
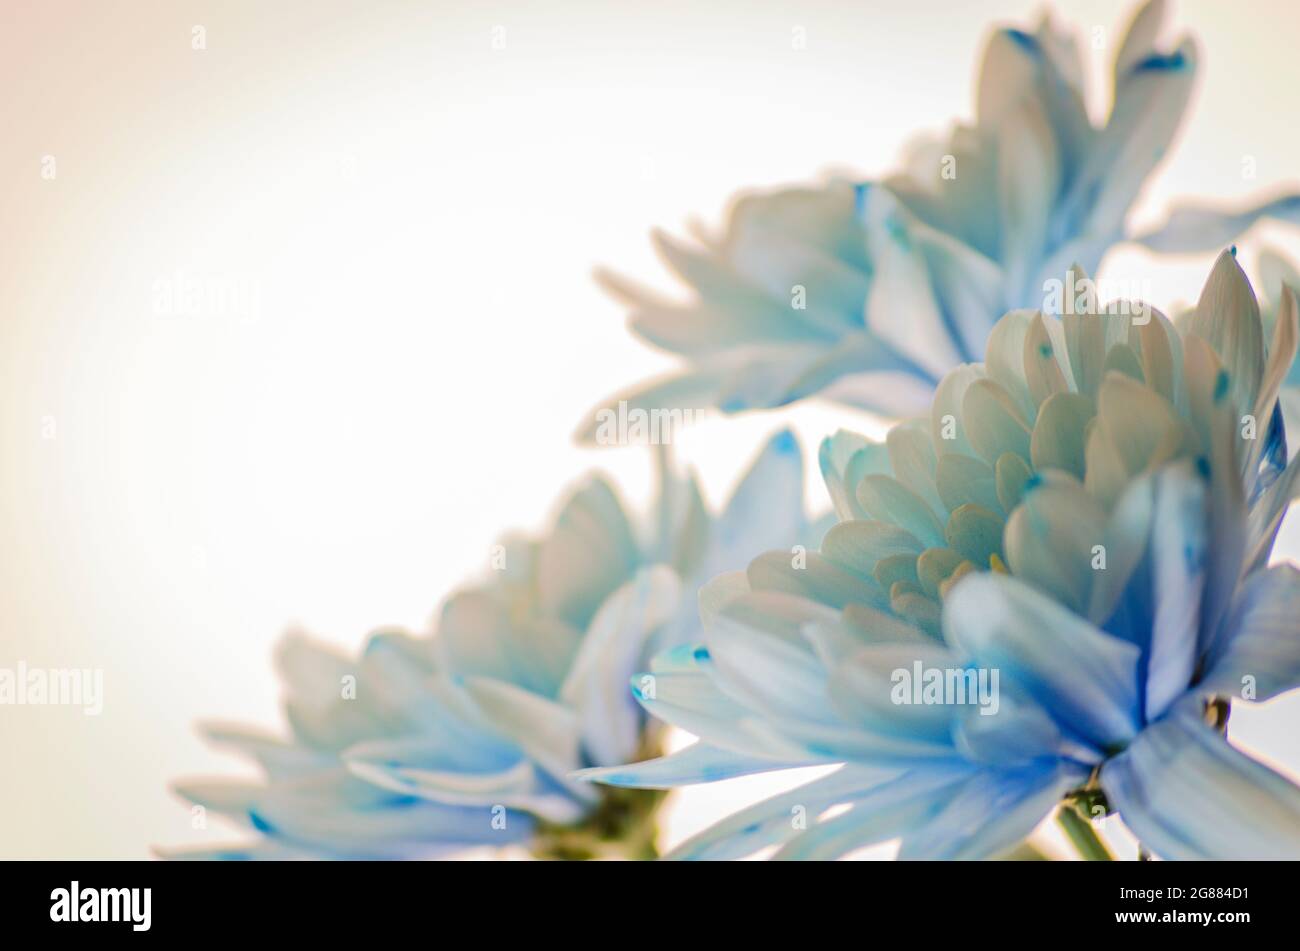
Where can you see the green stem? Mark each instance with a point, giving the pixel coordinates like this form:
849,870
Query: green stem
1082,835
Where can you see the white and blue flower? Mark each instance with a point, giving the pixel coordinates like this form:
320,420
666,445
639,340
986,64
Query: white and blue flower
425,746
1084,520
868,293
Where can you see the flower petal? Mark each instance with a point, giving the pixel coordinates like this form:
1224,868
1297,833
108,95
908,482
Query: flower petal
882,813
1197,227
1262,651
777,819
766,509
1187,794
1084,677
590,552
992,812
1227,317
611,652
551,734
697,763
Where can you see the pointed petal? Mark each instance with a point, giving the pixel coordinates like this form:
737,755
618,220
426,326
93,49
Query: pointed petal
1227,317
1041,359
1140,37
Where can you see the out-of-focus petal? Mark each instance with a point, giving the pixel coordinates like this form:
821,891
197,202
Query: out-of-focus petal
611,652
1197,227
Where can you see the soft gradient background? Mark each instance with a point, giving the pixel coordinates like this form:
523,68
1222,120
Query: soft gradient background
415,214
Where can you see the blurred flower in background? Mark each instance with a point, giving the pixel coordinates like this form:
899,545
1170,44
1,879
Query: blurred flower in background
1075,542
868,293
426,746
309,804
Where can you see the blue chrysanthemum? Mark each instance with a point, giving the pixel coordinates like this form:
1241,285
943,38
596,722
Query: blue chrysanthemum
1045,594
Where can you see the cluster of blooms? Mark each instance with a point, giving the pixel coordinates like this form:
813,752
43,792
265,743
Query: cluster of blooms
1041,593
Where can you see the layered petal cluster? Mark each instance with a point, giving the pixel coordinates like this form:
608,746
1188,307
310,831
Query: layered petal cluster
470,737
868,293
1040,593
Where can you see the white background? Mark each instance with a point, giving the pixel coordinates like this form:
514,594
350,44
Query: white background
420,214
